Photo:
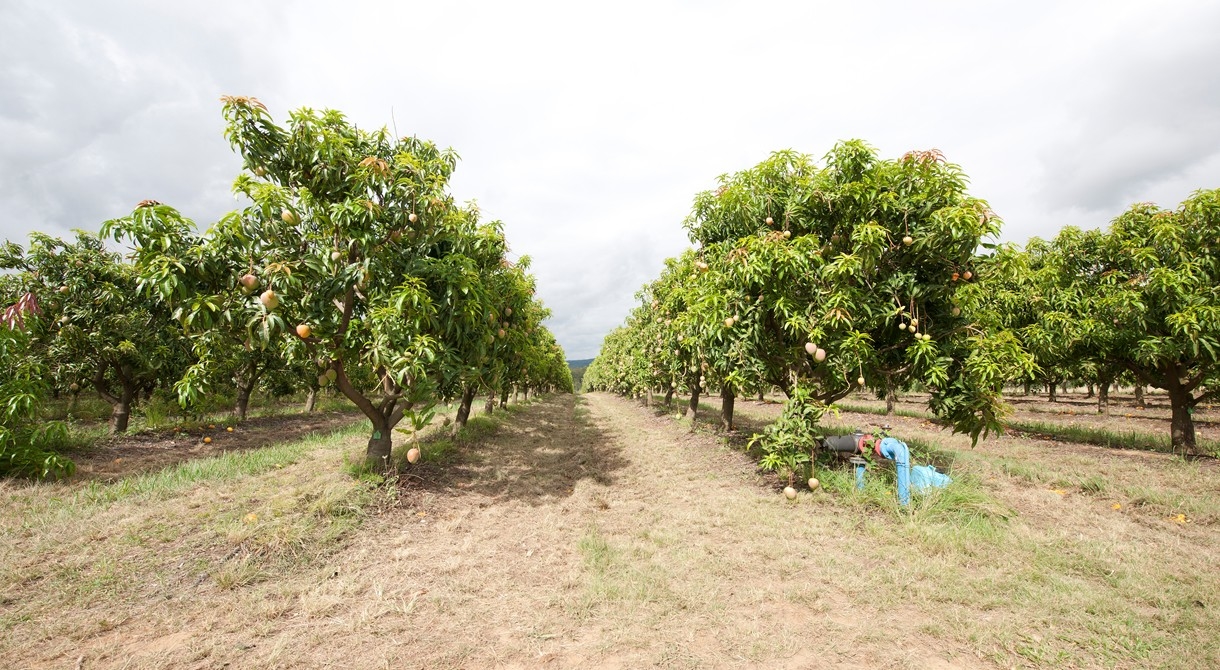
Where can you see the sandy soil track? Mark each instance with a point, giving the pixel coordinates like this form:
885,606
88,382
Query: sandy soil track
591,532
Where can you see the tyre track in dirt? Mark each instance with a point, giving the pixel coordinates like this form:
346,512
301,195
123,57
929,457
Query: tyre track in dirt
590,533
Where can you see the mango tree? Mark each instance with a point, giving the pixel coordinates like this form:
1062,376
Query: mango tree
295,374
1150,304
194,276
524,351
614,368
845,277
97,328
461,286
27,442
350,241
670,350
1066,275
734,302
867,297
550,371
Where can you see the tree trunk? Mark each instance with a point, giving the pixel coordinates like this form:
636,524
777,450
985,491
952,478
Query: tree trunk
891,397
1089,391
669,395
1053,388
311,400
122,410
784,385
648,397
243,400
504,398
463,413
525,393
1182,423
1139,396
1027,387
245,380
380,443
1103,397
384,416
692,408
727,397
120,404
490,405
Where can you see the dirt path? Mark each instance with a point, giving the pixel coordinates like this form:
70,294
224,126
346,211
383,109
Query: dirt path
591,534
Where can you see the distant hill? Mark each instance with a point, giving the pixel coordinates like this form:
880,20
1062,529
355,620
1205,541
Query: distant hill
578,370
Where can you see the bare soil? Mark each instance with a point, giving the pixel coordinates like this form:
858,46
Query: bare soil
591,532
118,456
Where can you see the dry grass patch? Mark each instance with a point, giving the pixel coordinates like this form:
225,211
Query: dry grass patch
589,532
85,559
1095,568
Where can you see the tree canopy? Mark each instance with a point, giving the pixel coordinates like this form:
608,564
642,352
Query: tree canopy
827,280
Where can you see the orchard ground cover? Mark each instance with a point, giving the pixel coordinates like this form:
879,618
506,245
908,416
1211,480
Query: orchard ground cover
113,458
1140,427
591,531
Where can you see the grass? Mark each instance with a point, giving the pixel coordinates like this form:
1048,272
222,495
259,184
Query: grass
898,411
965,504
1064,590
1105,438
1165,500
679,555
217,469
437,444
228,521
1110,601
1181,490
619,576
1126,439
88,420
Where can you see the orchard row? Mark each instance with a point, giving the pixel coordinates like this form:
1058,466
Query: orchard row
351,266
878,274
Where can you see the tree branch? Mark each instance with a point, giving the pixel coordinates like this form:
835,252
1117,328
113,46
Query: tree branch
832,397
1206,397
398,413
1142,375
365,405
349,304
1194,382
99,382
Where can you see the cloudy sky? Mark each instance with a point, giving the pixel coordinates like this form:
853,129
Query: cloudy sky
589,127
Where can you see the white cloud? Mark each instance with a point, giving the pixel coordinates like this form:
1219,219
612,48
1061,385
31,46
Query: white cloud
588,129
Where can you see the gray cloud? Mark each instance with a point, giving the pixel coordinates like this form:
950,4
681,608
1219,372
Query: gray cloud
109,107
1144,113
588,129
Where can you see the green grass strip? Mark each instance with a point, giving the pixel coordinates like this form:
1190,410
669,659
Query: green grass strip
1129,439
220,468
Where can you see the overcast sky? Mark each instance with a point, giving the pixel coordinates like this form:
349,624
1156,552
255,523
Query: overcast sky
588,128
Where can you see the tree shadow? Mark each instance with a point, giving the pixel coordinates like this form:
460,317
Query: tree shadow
535,457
